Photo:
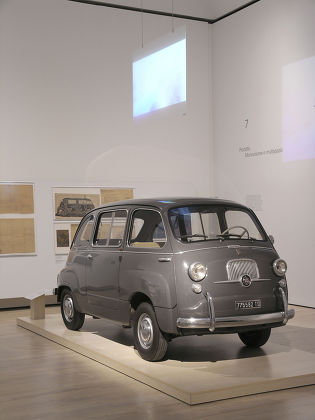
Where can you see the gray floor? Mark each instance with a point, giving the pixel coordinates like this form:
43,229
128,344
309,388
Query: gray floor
43,380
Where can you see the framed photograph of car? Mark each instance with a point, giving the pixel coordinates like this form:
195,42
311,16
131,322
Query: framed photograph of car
74,203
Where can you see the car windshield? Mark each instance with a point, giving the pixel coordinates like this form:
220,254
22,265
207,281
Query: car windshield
208,222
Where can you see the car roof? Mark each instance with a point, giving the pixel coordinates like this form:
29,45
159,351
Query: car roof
166,203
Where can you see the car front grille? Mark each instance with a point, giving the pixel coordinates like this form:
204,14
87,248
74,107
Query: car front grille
236,268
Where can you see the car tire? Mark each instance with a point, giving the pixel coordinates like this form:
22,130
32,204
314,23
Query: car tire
256,338
149,340
72,318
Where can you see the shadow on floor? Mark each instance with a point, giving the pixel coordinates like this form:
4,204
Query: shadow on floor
207,348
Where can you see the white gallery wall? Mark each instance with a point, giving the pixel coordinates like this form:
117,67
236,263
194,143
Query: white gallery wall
66,116
66,119
263,77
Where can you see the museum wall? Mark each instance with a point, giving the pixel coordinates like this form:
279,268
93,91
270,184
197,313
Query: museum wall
66,116
264,126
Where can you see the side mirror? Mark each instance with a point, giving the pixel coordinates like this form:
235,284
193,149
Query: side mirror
272,239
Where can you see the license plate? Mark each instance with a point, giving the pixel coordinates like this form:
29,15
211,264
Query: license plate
247,304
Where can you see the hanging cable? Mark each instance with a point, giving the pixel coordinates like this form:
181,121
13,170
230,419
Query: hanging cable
142,23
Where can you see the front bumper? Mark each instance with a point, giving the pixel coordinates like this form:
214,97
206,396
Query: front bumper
212,323
235,321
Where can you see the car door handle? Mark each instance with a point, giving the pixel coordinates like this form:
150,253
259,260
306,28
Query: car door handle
90,257
165,259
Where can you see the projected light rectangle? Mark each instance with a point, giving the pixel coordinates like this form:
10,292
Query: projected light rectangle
298,110
159,79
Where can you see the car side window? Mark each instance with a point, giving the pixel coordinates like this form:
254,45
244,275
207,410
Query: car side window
84,235
110,229
103,229
147,230
118,228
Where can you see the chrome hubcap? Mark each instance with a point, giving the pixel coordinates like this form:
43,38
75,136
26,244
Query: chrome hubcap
145,331
68,308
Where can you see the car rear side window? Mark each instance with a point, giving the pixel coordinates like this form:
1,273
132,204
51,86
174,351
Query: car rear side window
147,230
110,228
84,234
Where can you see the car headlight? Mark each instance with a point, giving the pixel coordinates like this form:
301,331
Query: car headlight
197,271
279,267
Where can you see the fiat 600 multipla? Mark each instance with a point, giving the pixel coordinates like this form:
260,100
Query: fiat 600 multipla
175,267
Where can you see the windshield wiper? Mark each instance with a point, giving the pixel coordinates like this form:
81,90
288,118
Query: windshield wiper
228,235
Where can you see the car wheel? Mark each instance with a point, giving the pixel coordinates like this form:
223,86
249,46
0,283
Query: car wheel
255,338
71,317
149,340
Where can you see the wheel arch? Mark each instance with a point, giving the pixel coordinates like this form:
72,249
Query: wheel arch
63,287
138,298
60,290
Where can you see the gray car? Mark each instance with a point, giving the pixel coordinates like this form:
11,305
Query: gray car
175,267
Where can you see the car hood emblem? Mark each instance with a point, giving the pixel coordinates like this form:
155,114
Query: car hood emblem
246,280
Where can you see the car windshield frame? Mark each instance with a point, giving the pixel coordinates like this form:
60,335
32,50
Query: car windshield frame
220,210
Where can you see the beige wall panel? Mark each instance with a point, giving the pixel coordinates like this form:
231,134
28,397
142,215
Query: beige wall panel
17,236
17,199
118,232
104,229
112,194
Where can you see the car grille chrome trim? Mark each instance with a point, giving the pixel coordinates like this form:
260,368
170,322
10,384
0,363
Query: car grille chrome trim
237,281
236,268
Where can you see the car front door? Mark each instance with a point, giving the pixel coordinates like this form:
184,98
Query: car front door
78,260
103,267
147,264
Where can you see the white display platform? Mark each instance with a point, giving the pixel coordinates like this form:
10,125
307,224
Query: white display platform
196,369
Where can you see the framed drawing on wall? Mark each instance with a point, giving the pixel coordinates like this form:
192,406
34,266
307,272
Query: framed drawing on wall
70,204
17,224
74,203
109,195
64,234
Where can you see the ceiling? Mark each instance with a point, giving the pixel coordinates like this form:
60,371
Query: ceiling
210,10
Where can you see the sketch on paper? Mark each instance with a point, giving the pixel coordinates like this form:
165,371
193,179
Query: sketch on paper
17,225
